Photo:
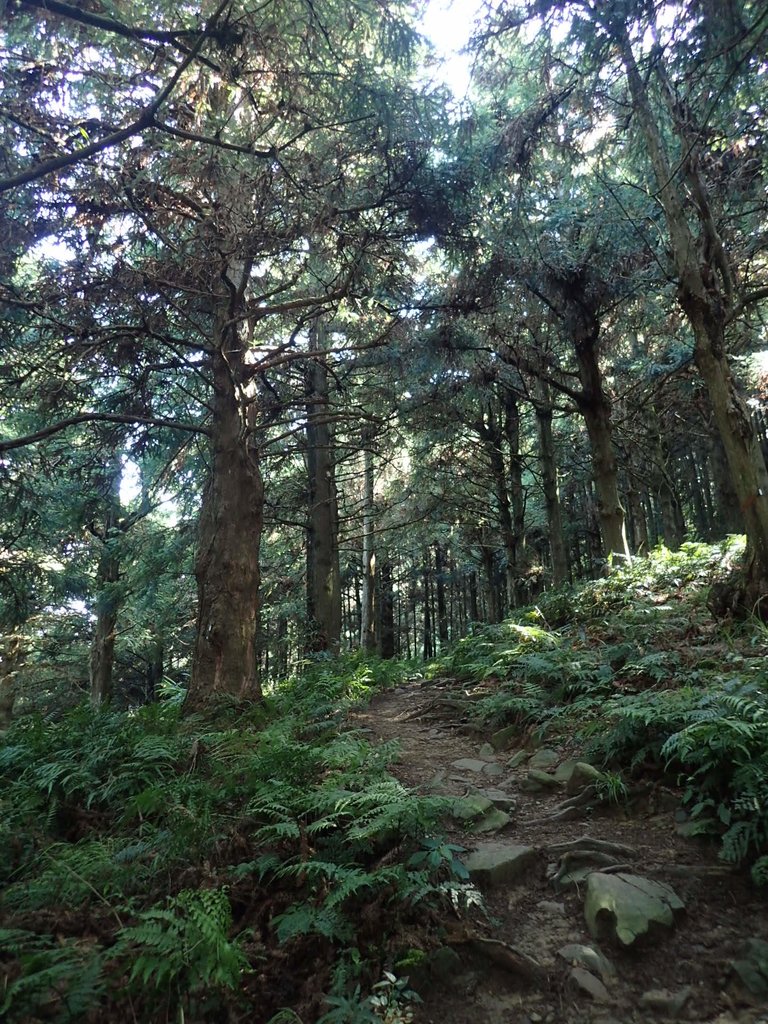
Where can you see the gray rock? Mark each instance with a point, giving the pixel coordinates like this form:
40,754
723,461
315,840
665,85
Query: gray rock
501,739
752,967
544,758
564,771
486,752
517,759
493,821
583,775
539,782
493,770
472,806
497,863
587,983
499,798
626,907
590,959
468,764
665,1002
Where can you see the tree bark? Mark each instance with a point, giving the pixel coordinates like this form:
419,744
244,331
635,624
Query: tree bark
515,584
102,653
227,563
323,575
549,479
595,407
489,431
705,294
442,612
386,608
367,625
727,513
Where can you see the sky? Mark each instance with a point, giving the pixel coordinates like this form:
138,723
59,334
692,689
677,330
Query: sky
448,24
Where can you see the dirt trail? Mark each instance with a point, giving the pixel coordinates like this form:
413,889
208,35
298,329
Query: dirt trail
475,981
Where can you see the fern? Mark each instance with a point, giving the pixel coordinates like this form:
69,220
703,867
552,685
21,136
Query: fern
61,982
184,945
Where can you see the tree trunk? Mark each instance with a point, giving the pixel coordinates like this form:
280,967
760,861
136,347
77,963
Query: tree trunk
227,564
102,654
367,625
474,611
727,513
515,585
11,660
639,525
489,431
442,612
550,486
705,294
493,604
323,576
385,611
672,520
429,649
595,407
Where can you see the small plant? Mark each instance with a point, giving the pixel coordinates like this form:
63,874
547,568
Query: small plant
439,857
611,788
392,1000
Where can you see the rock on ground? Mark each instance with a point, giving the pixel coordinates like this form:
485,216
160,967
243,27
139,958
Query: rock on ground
627,906
497,863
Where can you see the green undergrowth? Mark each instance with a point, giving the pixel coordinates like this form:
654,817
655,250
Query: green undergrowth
156,867
633,670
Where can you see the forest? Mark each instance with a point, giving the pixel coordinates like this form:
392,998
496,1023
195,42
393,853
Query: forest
333,401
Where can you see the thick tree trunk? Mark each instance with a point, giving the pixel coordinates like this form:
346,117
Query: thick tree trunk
727,513
740,442
595,407
323,575
227,564
705,294
549,480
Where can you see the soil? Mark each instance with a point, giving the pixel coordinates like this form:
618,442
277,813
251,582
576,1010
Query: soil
723,907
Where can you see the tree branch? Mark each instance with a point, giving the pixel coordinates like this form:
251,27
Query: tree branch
749,300
98,417
107,24
145,120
